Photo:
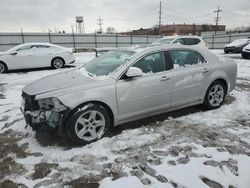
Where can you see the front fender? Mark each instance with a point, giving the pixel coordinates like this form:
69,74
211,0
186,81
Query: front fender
100,94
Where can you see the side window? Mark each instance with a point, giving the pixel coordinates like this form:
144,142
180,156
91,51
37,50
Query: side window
185,58
24,48
152,63
192,41
189,41
197,41
179,41
42,46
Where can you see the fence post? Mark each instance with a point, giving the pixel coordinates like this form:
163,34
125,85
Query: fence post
212,41
116,40
22,35
49,37
230,37
73,36
131,39
95,40
147,39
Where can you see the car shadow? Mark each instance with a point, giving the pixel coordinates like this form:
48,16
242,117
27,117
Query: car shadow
50,137
24,71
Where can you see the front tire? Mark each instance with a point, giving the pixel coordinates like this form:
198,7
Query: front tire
215,95
88,124
3,68
245,56
57,63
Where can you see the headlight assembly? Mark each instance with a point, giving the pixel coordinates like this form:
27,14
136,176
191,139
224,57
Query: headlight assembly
52,104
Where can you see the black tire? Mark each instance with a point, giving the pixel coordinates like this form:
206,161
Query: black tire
57,63
208,104
3,67
245,56
72,124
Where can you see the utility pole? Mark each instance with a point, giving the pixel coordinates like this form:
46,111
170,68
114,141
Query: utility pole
100,24
217,19
160,16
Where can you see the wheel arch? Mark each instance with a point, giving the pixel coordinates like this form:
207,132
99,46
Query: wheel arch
222,80
5,65
107,107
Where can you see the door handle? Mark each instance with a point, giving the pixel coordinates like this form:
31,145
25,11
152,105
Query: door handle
165,78
205,70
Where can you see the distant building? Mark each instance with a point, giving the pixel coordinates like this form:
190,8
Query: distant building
178,29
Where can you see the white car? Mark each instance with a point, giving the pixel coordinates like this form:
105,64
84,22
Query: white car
245,53
190,40
236,46
35,55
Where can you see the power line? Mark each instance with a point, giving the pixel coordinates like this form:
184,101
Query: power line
100,23
160,17
217,19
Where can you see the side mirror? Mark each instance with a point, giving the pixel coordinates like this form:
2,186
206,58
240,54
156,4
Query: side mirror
134,72
13,53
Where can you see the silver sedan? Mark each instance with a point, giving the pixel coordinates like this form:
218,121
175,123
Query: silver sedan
126,85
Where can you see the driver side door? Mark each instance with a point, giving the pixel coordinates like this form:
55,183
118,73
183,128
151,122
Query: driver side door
148,93
22,58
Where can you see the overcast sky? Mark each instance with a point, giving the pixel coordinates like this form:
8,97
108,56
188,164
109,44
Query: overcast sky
41,15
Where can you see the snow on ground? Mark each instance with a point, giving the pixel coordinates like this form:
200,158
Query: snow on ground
188,148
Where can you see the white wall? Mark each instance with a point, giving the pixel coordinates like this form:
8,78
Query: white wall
8,40
219,41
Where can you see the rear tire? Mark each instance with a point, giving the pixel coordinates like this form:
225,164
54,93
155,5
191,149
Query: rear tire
88,123
3,67
215,95
57,63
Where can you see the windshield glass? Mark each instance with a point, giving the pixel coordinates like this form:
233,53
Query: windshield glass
17,47
164,41
107,62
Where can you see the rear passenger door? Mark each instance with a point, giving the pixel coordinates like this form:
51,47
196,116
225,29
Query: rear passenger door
189,75
43,55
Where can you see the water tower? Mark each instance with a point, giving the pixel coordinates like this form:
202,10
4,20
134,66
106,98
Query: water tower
80,24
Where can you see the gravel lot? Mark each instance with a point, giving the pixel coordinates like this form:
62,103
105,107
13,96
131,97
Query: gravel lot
187,148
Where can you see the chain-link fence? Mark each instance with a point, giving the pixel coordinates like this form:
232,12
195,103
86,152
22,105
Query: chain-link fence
219,41
72,40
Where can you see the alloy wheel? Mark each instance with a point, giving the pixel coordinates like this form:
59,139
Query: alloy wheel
216,95
90,125
58,63
2,68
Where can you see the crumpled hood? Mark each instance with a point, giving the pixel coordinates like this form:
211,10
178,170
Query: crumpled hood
63,82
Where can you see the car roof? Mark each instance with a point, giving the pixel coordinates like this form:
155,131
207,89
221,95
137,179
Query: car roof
181,36
144,49
38,43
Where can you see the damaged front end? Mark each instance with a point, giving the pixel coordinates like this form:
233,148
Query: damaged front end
49,111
